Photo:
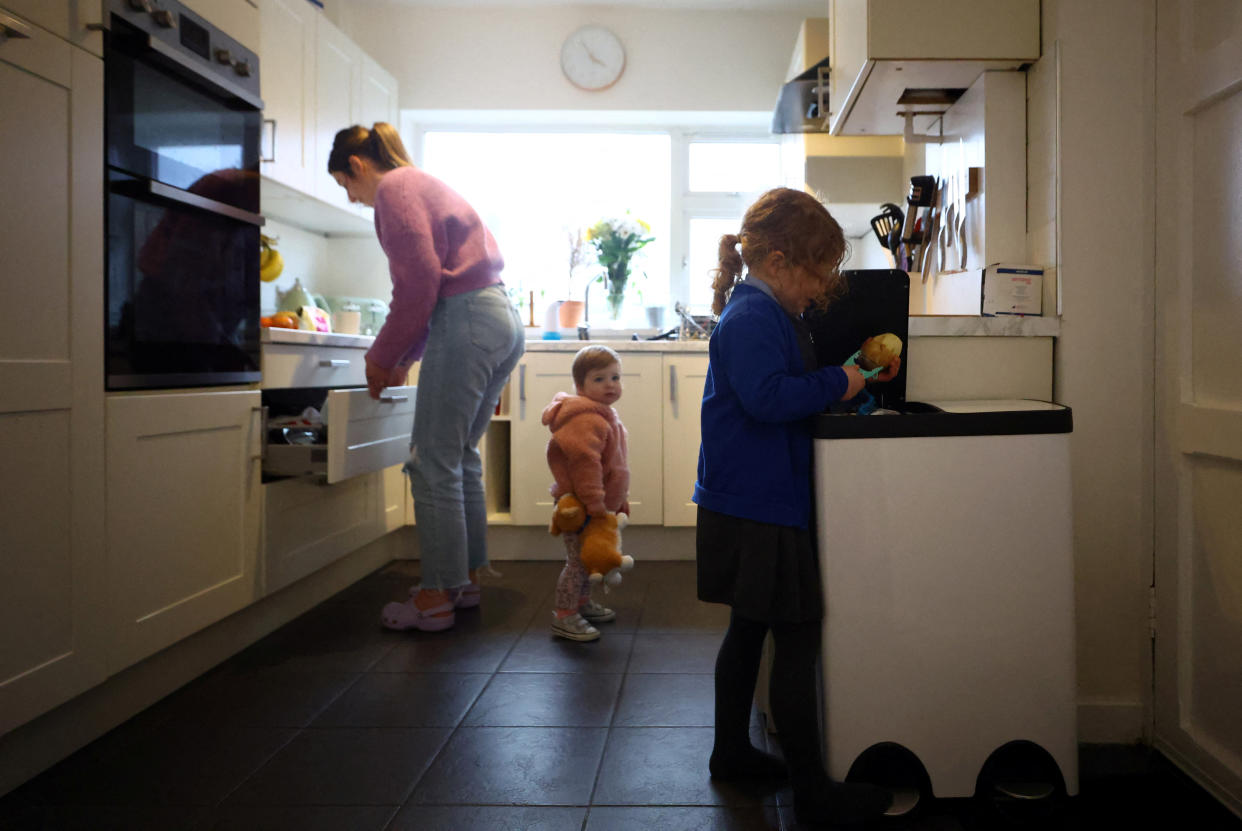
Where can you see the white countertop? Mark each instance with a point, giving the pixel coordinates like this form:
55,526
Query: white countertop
304,337
536,345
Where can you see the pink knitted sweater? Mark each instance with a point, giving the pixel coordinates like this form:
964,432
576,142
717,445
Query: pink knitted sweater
587,453
437,246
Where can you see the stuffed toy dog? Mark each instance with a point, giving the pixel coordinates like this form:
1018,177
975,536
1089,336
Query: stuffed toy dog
601,539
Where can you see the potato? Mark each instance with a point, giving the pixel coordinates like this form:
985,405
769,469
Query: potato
880,350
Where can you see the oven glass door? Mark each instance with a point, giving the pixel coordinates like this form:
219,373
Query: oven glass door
183,289
168,123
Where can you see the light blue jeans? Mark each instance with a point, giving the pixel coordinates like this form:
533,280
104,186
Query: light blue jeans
475,341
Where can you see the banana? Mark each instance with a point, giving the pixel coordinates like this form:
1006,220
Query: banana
270,261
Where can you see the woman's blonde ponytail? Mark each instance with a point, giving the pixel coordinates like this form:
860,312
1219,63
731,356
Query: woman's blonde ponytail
381,145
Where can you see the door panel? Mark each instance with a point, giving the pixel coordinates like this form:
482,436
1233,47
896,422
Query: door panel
1198,543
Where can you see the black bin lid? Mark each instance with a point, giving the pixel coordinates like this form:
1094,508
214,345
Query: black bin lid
874,301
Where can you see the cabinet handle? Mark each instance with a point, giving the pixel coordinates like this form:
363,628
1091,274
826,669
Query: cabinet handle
269,140
522,382
334,363
263,413
393,399
11,27
672,384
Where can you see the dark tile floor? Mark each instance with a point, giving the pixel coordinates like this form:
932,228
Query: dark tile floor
333,723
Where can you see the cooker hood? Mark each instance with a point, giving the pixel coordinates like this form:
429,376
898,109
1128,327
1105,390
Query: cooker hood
802,105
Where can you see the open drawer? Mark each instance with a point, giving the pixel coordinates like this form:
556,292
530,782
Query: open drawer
363,435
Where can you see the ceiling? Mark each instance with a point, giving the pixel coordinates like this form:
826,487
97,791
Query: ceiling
809,7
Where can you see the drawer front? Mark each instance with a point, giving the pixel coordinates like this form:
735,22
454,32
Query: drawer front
287,365
365,435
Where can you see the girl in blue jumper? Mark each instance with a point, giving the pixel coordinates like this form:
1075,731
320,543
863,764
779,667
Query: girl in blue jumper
755,538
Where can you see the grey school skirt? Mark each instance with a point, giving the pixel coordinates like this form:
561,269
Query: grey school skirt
766,572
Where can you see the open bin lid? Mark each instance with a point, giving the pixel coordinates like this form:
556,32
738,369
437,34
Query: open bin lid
991,417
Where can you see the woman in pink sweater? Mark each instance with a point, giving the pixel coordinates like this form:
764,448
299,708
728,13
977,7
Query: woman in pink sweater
450,310
587,456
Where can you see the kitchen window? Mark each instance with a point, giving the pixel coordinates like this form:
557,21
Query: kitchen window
535,187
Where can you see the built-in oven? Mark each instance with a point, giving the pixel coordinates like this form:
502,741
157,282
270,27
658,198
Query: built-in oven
182,122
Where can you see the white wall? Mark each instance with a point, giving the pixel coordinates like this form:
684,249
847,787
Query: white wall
509,58
1104,221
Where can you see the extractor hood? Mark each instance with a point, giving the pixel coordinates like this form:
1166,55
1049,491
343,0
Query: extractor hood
802,106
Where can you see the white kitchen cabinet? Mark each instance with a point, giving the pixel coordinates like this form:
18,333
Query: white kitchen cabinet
316,81
239,19
684,377
66,19
287,65
323,501
913,44
51,413
538,377
184,507
338,66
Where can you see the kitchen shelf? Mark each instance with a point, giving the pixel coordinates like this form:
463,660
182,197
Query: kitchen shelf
978,326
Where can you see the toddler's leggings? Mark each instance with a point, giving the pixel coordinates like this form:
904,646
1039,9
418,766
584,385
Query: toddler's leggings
793,696
573,589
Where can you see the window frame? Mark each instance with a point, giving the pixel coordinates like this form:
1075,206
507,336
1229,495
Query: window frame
684,204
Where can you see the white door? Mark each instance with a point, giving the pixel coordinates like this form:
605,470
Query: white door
51,372
1198,460
287,73
684,377
338,63
185,507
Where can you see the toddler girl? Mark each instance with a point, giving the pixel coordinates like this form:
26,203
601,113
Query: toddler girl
587,456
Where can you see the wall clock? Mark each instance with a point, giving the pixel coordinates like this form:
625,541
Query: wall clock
593,58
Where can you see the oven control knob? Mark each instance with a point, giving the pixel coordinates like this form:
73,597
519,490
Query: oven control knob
224,56
242,68
140,5
165,18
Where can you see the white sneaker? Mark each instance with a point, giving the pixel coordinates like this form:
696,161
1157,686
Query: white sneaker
597,612
574,628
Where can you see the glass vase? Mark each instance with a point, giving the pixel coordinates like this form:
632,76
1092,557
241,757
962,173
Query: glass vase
618,279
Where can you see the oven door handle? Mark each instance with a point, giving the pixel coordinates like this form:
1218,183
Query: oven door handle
170,54
193,200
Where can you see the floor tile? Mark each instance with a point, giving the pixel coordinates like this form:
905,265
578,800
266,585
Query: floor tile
405,699
541,699
449,651
344,766
666,700
664,766
298,818
681,653
108,818
320,642
487,818
514,766
539,650
175,765
257,697
716,818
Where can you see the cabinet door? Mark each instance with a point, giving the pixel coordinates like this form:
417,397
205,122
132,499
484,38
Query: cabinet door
537,379
287,73
684,376
377,95
184,506
51,411
338,66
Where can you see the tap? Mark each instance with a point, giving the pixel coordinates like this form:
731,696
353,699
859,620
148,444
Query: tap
584,331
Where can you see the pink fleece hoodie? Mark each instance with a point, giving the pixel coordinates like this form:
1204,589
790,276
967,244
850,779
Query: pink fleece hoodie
587,453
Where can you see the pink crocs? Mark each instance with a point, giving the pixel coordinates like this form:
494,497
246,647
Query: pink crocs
402,616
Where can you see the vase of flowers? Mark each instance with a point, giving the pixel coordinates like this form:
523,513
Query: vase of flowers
616,240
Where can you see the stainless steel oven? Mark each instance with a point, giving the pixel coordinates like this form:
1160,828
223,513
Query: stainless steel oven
182,123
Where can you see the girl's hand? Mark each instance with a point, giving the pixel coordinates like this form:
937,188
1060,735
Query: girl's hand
890,372
853,375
